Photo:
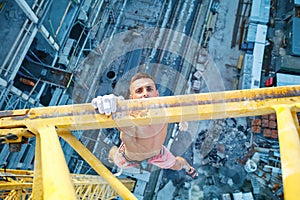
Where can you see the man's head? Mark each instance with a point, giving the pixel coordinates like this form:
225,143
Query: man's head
142,86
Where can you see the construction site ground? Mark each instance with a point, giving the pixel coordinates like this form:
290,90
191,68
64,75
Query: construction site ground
218,149
224,59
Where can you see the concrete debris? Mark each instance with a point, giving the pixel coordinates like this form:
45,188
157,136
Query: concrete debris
250,166
196,193
231,165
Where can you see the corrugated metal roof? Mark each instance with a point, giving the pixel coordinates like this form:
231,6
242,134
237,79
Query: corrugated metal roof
287,79
296,37
257,33
252,28
260,11
258,52
261,33
245,82
247,64
258,55
289,63
251,72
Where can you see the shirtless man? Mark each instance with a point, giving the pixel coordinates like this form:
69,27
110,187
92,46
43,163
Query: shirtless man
142,144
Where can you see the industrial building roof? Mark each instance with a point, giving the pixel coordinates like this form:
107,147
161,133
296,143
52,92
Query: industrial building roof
296,36
257,33
288,64
261,34
245,82
258,54
251,35
260,11
287,79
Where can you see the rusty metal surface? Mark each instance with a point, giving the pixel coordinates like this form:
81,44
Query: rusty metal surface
148,111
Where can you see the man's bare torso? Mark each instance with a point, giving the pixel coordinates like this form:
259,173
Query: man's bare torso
143,142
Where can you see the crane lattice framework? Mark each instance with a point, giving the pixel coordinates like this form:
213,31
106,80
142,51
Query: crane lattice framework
47,124
17,184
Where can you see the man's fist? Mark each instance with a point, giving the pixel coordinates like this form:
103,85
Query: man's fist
106,104
183,126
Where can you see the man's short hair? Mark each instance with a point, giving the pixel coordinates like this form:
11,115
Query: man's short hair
139,76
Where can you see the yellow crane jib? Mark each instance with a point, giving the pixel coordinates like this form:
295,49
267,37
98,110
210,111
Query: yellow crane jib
47,123
17,184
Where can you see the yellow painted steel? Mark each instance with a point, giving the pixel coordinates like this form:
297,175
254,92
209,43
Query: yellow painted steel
95,187
147,111
296,121
17,184
289,142
240,103
97,165
37,192
56,181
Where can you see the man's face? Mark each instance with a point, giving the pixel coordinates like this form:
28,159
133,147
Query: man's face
143,88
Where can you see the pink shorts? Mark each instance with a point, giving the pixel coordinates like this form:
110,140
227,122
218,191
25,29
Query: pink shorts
163,160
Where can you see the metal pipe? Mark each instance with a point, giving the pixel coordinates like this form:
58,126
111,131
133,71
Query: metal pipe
296,121
14,45
49,38
48,5
90,26
23,52
32,16
5,91
32,90
27,10
38,96
81,50
3,82
63,18
16,42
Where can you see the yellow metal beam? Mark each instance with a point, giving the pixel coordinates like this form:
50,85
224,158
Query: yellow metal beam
37,192
55,181
14,135
192,107
296,121
289,142
97,165
17,184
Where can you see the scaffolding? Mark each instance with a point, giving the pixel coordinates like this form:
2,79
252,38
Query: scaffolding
49,123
